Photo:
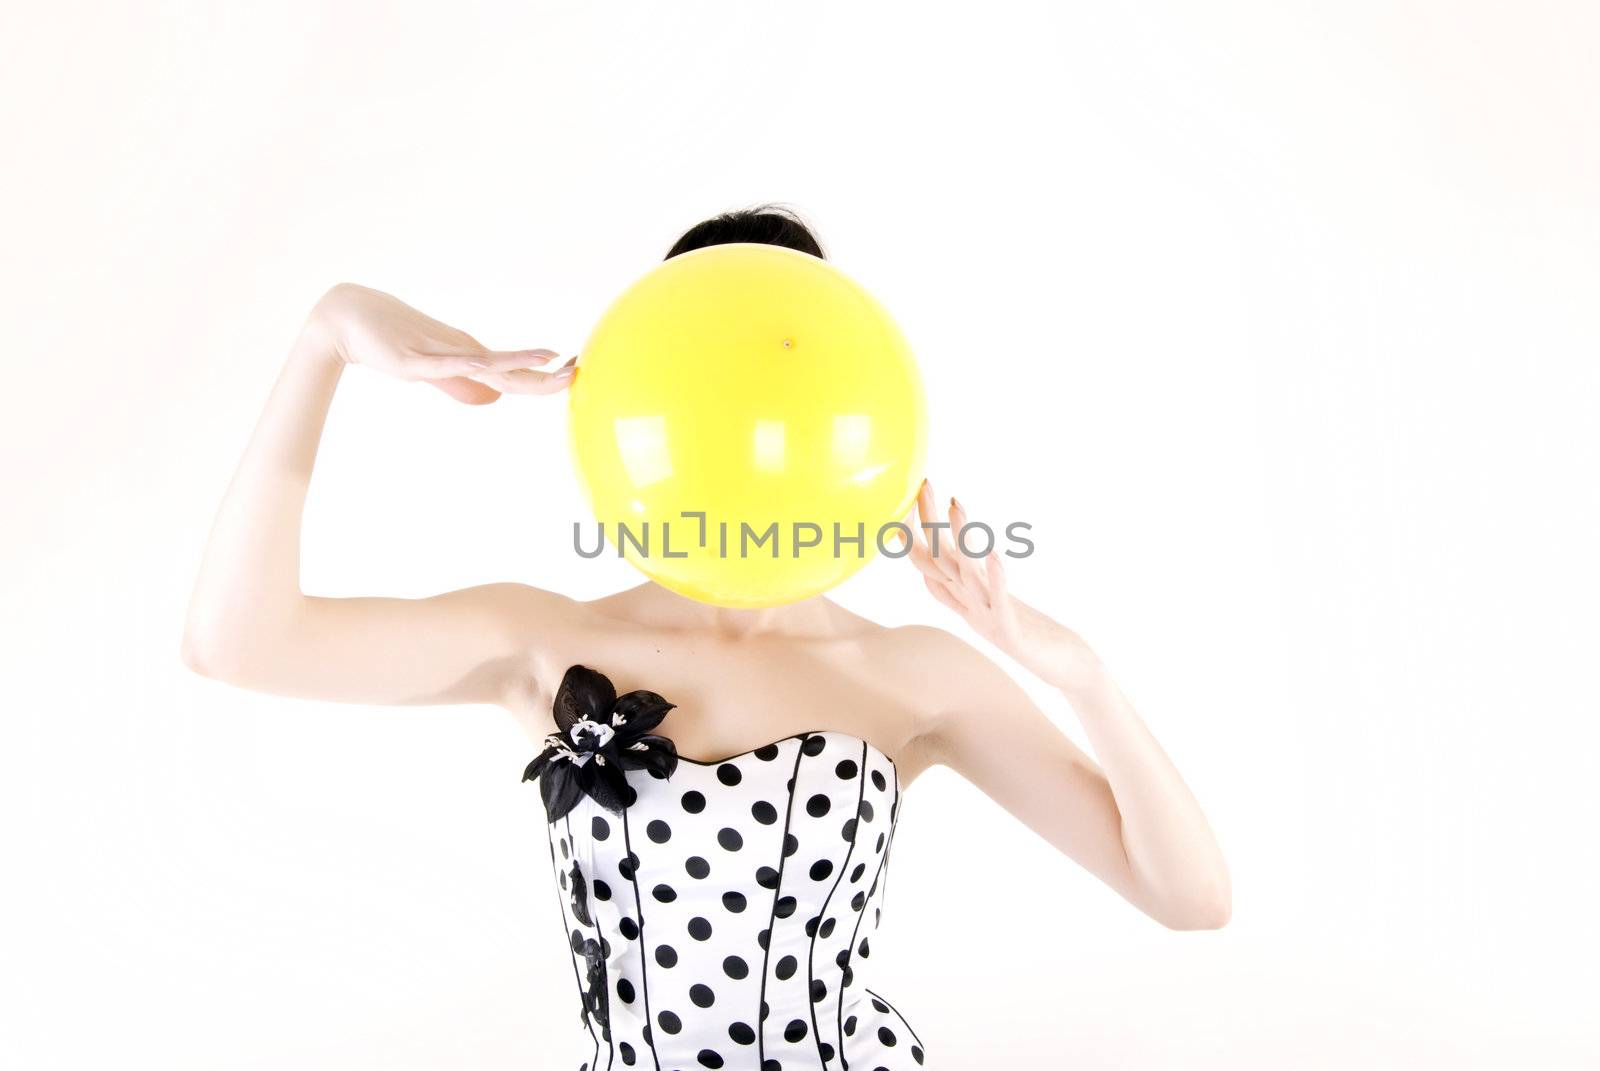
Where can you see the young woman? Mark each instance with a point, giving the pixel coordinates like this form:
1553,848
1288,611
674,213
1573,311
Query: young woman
720,829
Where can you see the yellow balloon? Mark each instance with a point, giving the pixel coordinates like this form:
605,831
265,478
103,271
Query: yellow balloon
745,420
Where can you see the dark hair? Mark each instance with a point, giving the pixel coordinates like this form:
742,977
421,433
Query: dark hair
770,224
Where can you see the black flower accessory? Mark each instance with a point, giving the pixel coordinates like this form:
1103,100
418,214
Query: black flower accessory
601,737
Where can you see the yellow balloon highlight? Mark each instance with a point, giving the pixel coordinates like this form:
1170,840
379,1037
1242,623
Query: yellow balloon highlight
745,420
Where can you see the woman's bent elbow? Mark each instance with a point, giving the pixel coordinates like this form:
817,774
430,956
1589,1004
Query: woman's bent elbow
1209,910
205,657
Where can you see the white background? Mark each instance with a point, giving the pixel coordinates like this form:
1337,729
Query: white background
1279,322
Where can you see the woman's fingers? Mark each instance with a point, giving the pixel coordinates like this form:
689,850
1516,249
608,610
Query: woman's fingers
944,595
964,565
924,562
527,381
447,365
939,550
996,575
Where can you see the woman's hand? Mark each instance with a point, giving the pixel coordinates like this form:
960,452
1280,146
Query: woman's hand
368,327
972,587
976,589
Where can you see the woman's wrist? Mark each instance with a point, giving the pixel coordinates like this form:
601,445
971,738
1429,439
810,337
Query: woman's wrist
1054,653
317,343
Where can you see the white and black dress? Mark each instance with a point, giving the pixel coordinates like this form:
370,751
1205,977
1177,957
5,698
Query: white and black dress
719,913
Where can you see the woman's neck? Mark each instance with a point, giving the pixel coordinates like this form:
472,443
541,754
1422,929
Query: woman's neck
651,604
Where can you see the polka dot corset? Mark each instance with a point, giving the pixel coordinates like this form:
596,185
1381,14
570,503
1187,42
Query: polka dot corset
723,918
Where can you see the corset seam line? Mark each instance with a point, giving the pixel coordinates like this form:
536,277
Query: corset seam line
850,950
777,891
811,953
909,1028
644,947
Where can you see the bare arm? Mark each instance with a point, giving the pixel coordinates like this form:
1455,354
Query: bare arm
1129,819
249,622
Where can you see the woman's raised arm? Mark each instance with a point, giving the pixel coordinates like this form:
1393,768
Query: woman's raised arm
1128,818
249,622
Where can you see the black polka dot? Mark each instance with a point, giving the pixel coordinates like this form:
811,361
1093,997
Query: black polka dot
767,877
847,770
659,831
602,891
702,995
599,829
666,955
855,875
669,1022
864,949
791,844
742,1033
786,968
866,811
697,867
664,893
628,928
764,812
819,991
628,866
821,870
796,1030
784,907
858,901
916,1054
878,782
768,753
827,928
709,1058
848,831
693,802
625,1051
729,774
886,1036
625,991
735,968
730,839
700,929
850,1026
734,901
818,805
814,745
